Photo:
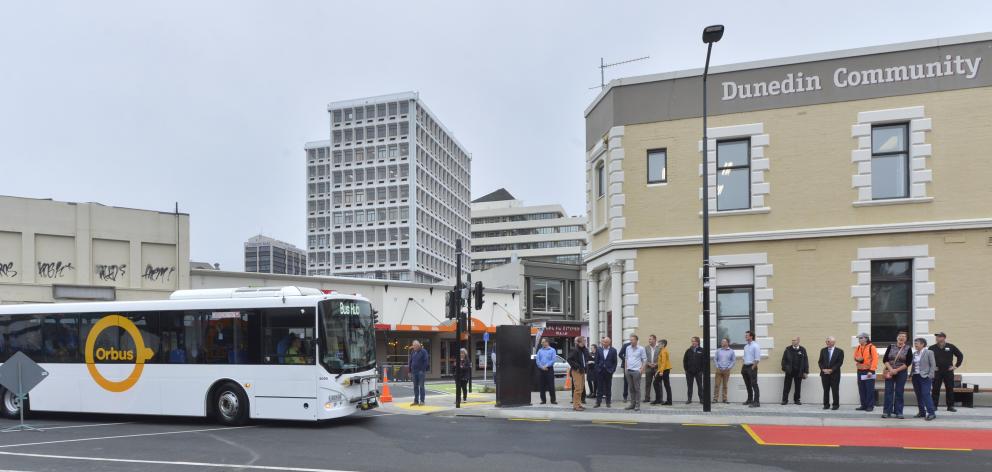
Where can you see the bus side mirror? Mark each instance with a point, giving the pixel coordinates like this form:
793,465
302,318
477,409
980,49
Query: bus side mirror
375,316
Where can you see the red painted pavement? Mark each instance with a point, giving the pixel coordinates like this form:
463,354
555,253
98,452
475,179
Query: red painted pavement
875,437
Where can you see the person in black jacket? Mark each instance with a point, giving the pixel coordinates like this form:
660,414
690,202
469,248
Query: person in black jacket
694,362
466,371
592,376
944,352
578,360
606,366
831,358
623,367
795,364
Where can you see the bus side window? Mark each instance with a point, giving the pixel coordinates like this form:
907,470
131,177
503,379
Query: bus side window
60,339
147,323
5,351
26,336
288,335
181,337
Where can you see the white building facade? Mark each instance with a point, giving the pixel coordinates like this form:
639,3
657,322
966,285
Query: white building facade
503,228
388,194
54,251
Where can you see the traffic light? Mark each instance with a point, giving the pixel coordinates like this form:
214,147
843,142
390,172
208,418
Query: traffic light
451,305
478,295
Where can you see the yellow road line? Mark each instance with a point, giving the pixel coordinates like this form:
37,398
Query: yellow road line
753,435
478,403
612,422
937,449
704,424
537,420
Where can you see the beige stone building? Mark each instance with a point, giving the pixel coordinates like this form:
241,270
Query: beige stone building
61,251
849,192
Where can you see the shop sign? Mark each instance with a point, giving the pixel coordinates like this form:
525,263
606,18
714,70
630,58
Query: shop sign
559,330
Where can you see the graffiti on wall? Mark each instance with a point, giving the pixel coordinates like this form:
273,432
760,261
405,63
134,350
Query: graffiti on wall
156,274
111,273
54,270
7,269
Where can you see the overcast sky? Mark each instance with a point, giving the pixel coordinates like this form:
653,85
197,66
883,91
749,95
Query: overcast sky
209,103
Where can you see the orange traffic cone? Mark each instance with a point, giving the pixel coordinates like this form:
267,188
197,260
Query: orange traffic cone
568,380
386,396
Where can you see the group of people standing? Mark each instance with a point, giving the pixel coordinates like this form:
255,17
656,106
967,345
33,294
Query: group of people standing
929,368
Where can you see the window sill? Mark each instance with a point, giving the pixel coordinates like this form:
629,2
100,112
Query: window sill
893,201
658,184
748,211
599,230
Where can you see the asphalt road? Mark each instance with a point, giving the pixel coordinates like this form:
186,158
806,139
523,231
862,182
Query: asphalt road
377,442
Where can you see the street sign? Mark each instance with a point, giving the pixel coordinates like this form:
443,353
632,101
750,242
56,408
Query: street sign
485,337
31,374
20,374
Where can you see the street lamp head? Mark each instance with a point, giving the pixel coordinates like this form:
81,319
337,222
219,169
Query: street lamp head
712,34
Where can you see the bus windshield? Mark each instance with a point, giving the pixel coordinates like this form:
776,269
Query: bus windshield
349,336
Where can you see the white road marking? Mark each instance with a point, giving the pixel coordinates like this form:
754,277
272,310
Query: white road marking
122,436
74,426
176,463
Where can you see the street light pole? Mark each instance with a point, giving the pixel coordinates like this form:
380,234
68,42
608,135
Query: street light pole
458,319
711,34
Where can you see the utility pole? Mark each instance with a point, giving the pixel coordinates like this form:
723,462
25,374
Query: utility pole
459,319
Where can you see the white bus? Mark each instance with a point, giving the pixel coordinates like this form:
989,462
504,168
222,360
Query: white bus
232,354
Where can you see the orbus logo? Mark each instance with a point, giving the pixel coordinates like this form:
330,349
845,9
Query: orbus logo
139,355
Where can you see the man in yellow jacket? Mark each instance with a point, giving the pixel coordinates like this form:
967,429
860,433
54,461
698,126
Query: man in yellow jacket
661,377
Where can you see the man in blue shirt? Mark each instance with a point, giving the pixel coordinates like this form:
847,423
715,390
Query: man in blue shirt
419,362
546,369
724,360
752,356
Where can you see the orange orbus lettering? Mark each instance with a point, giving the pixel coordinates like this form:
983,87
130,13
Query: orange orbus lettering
113,355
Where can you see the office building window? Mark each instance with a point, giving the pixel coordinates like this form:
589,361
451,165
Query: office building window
891,299
546,296
733,174
657,166
600,180
889,161
734,313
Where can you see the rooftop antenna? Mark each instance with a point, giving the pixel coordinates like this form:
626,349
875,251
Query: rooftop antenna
603,66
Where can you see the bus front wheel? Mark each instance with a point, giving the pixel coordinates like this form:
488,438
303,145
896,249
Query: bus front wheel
230,405
10,406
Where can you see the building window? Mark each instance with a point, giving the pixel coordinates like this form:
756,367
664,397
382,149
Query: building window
891,299
733,175
600,180
657,166
546,296
734,313
889,161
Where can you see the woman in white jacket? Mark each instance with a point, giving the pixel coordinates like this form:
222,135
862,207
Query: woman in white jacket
924,367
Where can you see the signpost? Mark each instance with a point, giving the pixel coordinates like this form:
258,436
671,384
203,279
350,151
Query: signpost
20,374
485,354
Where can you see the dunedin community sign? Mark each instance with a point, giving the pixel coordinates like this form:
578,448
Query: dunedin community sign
843,77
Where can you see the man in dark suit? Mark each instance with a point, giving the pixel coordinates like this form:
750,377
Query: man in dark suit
606,365
795,364
623,366
831,358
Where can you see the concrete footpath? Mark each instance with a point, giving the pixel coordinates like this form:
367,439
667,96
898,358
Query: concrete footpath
484,405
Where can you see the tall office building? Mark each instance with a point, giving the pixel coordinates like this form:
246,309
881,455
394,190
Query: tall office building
271,256
388,194
502,227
